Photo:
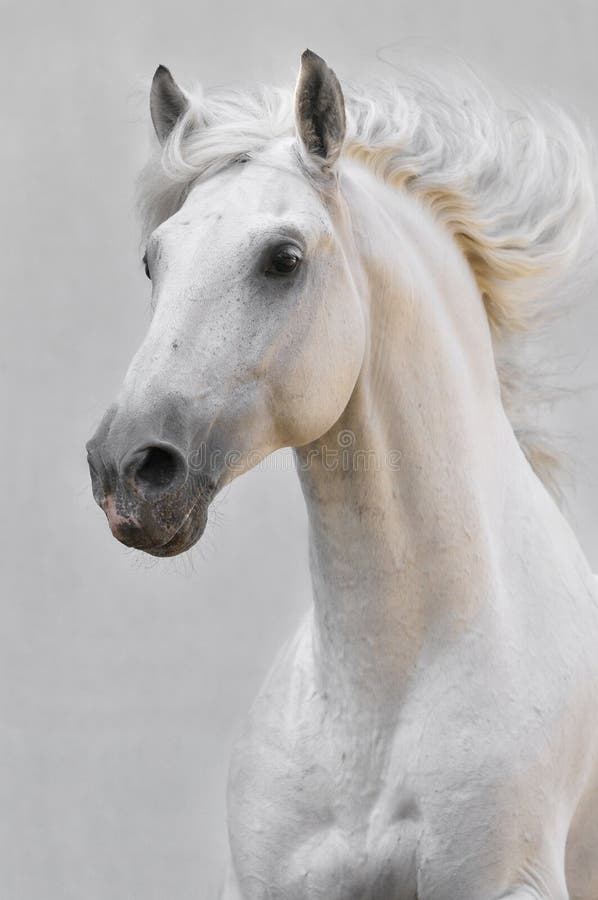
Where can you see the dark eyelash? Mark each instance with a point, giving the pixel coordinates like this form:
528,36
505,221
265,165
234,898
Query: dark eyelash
146,267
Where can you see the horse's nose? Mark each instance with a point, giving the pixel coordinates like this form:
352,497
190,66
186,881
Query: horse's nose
155,469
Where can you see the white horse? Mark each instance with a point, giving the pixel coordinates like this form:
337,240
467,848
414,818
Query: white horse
341,275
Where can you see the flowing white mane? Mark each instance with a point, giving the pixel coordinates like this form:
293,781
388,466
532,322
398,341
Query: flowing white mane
513,182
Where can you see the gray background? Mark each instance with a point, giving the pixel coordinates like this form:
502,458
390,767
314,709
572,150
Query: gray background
123,681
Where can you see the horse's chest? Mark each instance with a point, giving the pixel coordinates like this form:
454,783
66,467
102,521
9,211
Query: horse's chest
333,859
340,864
322,822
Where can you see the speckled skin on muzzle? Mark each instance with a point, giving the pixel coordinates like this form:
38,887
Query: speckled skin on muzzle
162,519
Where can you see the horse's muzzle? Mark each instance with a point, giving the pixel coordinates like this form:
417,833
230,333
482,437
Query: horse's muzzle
153,499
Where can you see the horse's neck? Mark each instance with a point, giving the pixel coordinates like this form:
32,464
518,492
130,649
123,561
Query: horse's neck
405,551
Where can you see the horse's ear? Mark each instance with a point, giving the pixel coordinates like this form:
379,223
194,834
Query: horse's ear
167,102
319,109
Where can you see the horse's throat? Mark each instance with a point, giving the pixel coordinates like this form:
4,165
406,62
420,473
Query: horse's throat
405,501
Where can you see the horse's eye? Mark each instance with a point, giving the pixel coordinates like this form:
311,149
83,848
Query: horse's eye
285,260
146,267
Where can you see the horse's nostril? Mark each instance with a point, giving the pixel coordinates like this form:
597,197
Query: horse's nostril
159,468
